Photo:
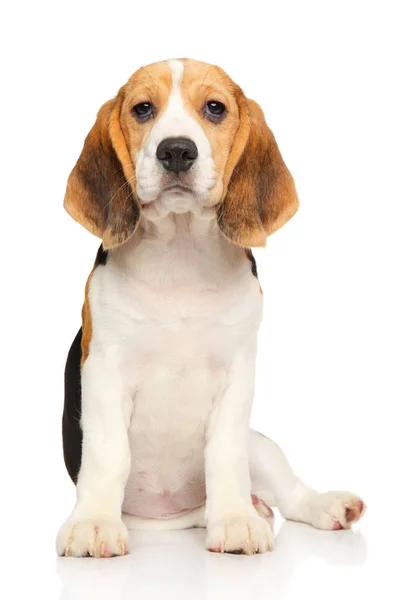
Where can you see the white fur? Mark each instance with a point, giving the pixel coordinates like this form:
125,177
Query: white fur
172,312
167,392
168,384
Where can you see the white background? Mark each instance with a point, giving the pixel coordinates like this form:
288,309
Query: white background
326,74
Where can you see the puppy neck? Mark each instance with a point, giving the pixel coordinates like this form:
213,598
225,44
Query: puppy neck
174,249
161,223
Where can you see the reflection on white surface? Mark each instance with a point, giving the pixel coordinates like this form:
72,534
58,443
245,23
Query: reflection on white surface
175,565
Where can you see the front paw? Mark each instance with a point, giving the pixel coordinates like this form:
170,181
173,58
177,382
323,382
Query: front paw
241,534
101,538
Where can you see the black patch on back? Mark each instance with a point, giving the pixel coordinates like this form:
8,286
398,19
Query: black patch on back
253,263
71,427
101,257
71,421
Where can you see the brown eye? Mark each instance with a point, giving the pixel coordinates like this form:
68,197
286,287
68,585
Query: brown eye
214,110
143,111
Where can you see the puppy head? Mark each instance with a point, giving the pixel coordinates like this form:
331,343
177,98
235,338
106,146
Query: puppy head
181,135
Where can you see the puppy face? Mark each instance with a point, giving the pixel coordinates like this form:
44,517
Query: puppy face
180,119
182,134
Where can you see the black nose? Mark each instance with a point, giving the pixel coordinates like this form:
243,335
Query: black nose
177,154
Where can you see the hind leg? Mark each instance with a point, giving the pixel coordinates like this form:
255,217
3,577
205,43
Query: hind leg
274,481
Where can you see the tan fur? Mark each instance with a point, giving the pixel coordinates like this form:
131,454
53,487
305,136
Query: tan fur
98,194
86,323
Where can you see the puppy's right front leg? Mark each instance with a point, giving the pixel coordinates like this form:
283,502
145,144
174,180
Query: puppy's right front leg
94,527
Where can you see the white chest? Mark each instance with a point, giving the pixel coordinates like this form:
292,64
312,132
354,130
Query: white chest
173,313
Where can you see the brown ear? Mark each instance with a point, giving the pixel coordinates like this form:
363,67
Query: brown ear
100,191
261,195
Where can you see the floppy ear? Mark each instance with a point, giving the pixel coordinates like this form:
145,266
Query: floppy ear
261,195
100,191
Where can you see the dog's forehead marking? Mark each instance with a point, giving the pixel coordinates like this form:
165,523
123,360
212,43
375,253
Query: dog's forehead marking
175,106
177,68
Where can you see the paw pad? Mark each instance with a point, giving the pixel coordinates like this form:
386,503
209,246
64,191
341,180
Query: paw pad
350,513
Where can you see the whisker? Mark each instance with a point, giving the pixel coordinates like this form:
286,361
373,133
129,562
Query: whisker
122,168
215,81
208,70
118,190
233,171
131,193
148,75
144,86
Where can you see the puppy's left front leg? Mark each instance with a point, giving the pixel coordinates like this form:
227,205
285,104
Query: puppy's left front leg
95,527
233,524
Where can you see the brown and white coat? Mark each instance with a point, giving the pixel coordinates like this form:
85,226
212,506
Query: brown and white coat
180,176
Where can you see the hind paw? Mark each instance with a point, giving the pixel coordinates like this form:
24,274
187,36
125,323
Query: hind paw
336,510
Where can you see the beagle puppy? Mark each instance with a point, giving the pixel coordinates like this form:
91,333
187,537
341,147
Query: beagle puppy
180,176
